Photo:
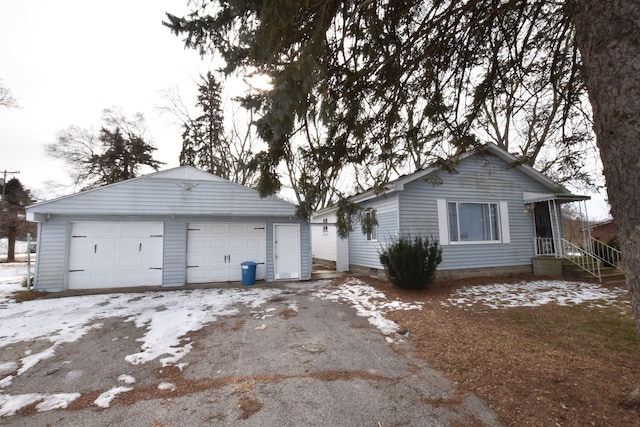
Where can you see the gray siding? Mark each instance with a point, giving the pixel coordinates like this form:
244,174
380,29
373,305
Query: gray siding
51,256
167,196
175,253
365,253
484,179
412,210
53,238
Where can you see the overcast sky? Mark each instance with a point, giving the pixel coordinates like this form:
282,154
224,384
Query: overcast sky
67,60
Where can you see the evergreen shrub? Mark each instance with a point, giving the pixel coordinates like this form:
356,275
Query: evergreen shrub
411,263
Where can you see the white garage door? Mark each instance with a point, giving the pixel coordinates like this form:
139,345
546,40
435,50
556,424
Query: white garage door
215,251
115,254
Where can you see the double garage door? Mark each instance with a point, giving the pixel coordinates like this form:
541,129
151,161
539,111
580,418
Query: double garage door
115,254
130,253
216,250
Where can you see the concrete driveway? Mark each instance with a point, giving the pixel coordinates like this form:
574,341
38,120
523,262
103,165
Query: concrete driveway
296,360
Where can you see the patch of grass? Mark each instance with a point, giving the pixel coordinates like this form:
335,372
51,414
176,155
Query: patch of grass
578,328
21,296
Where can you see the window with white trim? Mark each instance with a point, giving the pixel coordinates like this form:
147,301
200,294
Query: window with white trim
370,228
473,222
325,226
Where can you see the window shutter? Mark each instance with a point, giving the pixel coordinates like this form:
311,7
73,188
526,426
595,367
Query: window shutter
504,222
443,222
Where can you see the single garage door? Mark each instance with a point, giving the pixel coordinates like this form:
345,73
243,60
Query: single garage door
215,251
115,254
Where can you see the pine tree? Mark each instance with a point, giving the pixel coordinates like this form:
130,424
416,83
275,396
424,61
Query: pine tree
13,223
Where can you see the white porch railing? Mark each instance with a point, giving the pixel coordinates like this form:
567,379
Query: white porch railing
561,248
607,254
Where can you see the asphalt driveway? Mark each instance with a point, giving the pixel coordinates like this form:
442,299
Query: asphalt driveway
295,358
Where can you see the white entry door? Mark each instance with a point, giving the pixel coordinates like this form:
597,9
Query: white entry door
115,254
287,251
216,250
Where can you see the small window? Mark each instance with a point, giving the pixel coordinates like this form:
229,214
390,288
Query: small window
370,225
473,222
325,226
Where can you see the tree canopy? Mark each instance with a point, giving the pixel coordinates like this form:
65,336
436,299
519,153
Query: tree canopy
117,152
396,85
430,74
13,223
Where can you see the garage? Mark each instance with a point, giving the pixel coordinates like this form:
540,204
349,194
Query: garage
170,228
114,254
215,251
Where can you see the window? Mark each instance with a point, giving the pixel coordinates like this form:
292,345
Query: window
370,225
325,226
473,222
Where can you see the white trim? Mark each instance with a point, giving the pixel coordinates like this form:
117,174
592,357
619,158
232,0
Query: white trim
276,274
443,222
505,231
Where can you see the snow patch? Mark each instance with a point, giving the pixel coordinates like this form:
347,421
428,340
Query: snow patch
127,379
167,386
533,294
368,302
9,405
104,400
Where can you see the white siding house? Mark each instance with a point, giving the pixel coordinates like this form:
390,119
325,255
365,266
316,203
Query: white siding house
170,228
489,216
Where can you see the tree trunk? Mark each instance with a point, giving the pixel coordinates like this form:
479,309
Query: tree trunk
11,248
608,36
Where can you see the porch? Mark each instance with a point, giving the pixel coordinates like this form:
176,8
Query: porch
580,256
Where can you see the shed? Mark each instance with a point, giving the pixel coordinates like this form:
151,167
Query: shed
170,228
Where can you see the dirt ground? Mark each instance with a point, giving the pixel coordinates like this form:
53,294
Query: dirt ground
535,366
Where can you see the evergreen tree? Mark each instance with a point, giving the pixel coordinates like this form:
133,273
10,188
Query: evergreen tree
117,153
13,223
364,61
204,142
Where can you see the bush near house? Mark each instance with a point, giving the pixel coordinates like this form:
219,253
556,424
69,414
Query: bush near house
411,263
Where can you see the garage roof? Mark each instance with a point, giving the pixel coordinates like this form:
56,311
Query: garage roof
180,191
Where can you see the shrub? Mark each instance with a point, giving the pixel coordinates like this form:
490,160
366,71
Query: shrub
411,263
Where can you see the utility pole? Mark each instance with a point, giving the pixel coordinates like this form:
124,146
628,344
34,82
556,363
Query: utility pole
4,180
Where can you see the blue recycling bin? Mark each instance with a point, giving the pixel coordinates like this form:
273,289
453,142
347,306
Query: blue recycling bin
248,272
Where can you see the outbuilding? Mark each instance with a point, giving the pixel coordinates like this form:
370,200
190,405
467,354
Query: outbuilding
171,228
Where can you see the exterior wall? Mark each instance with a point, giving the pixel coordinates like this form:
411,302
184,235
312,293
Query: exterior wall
484,179
51,261
53,246
365,253
164,196
324,244
414,211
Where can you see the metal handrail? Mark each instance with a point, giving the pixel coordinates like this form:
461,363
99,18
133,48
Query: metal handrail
562,248
582,258
607,254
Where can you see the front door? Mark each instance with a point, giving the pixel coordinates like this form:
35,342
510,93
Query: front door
544,229
287,251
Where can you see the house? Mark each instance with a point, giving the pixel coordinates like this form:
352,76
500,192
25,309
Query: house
491,215
604,231
171,228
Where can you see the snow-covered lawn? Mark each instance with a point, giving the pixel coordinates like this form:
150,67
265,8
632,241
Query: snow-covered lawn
167,317
531,294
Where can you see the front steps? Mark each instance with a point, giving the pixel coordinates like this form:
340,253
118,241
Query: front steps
562,267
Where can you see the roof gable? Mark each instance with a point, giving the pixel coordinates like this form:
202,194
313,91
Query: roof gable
180,191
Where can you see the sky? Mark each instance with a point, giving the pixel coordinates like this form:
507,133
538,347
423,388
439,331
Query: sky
168,316
66,61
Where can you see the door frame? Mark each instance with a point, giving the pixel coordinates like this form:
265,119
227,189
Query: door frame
298,250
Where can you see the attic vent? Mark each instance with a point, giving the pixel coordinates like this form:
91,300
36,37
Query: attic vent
187,186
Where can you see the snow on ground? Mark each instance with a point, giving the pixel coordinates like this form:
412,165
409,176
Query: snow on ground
368,302
169,316
532,294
